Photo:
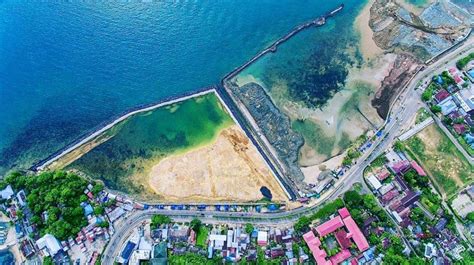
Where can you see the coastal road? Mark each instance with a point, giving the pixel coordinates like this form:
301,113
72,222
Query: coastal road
402,112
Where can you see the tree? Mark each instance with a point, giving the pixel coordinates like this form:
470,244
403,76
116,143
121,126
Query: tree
398,146
159,219
427,94
97,188
99,210
195,225
249,228
302,224
470,216
435,109
48,261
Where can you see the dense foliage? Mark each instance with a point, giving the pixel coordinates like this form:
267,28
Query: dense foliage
58,194
159,219
303,222
464,61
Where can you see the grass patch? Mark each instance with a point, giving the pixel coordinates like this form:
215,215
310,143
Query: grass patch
421,115
441,159
201,239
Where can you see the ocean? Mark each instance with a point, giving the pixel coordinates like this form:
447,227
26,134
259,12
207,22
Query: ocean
67,67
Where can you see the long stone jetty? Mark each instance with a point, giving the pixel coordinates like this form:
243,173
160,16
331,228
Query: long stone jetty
320,21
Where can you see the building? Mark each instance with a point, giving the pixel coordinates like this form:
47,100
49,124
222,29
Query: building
441,95
138,256
49,245
419,170
262,238
7,193
374,182
447,106
160,254
346,231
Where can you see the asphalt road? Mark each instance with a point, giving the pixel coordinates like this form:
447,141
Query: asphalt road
403,110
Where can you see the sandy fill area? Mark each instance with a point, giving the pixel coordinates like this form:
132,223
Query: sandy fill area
229,169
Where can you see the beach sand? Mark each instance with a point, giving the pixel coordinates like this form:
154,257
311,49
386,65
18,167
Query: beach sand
230,169
367,46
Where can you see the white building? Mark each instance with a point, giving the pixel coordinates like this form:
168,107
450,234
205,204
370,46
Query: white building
49,245
374,182
7,193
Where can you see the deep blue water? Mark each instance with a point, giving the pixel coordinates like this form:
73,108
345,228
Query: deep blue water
66,67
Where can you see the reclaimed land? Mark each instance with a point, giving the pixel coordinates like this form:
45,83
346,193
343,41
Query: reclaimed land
187,151
445,164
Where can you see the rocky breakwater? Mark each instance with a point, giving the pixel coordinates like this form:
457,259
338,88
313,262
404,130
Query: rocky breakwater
275,126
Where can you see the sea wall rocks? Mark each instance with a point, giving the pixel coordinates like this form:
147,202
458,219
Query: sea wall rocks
274,124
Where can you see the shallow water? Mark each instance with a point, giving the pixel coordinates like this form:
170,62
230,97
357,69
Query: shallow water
139,142
66,67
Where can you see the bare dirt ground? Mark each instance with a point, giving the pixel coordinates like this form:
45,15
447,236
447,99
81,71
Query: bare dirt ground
230,169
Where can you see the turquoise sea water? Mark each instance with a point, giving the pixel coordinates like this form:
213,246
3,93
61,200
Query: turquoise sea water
6,257
66,67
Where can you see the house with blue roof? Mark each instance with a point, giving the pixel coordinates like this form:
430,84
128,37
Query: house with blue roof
88,210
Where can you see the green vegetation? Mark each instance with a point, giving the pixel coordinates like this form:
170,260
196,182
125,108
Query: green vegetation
249,228
435,109
158,219
447,79
192,259
195,225
326,210
464,61
139,142
441,159
428,198
421,115
201,238
428,93
58,194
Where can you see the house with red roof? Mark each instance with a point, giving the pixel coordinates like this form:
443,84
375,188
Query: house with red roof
383,174
460,128
345,231
419,170
441,95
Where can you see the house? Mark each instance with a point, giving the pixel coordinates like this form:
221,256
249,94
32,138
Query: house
410,198
383,174
441,95
386,188
374,182
127,252
419,170
460,128
262,238
430,251
159,254
7,193
88,210
138,256
400,167
49,245
447,106
115,214
177,234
